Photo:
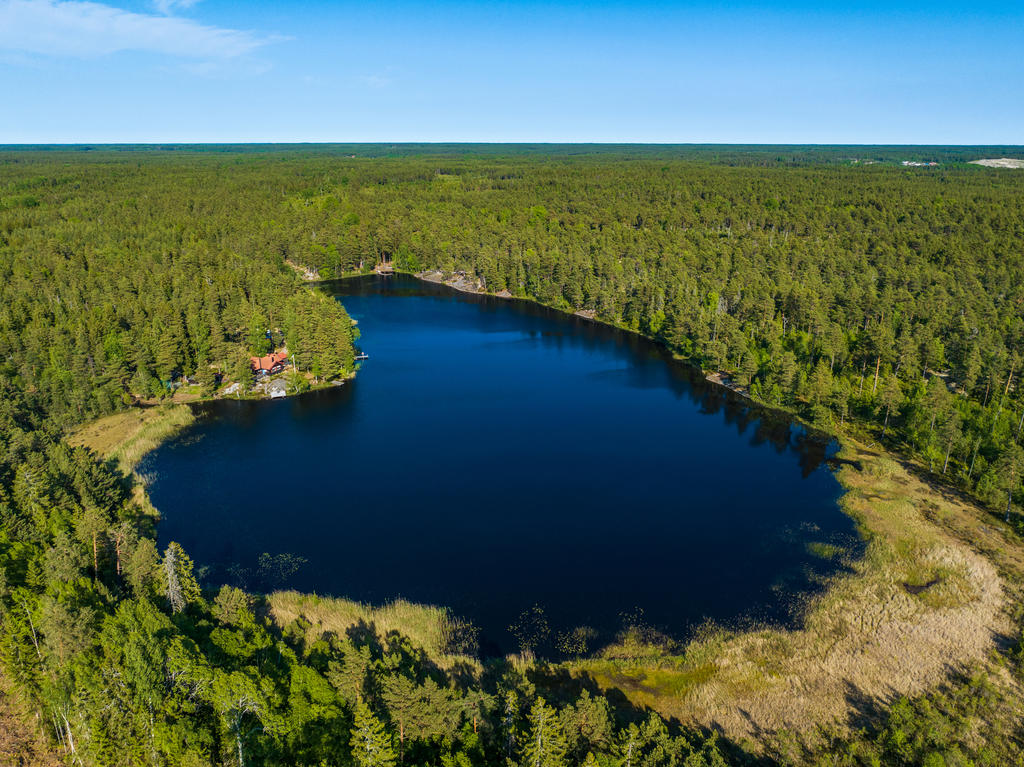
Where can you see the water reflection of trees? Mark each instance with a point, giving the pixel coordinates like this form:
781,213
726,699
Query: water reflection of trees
649,364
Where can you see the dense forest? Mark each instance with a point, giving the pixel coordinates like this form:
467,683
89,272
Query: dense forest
888,296
861,295
120,281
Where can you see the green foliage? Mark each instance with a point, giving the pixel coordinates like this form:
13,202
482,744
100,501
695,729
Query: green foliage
842,295
544,744
102,303
371,744
320,335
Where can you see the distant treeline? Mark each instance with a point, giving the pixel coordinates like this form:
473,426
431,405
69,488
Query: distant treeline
728,154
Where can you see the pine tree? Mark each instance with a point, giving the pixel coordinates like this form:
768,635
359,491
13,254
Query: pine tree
950,431
167,353
544,745
206,376
1009,468
180,585
748,367
371,744
241,372
349,676
821,383
892,398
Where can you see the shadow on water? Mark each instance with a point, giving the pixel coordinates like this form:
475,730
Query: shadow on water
493,455
684,380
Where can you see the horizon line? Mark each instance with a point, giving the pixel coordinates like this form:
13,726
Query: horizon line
457,142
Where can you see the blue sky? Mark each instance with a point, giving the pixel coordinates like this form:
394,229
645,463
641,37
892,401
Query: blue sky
206,70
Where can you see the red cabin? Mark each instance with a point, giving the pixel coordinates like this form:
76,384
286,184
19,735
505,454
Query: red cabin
272,363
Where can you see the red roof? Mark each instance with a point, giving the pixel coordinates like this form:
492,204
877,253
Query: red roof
268,362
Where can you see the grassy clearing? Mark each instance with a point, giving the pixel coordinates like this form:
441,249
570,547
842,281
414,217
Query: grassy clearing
434,629
921,603
127,436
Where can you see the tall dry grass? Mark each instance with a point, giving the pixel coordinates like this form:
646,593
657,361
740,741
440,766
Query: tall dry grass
439,633
127,436
870,636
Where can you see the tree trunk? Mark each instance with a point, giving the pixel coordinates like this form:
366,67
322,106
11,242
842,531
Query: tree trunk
35,638
878,364
59,729
67,727
949,449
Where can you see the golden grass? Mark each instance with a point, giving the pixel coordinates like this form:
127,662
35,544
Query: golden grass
868,637
427,626
127,436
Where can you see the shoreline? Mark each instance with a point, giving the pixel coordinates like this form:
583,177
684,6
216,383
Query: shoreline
720,378
859,470
921,605
942,603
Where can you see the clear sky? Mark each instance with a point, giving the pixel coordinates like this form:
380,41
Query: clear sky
310,70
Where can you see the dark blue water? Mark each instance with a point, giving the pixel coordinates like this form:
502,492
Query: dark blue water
493,454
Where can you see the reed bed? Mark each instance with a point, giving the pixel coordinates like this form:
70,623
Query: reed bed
441,635
127,436
921,603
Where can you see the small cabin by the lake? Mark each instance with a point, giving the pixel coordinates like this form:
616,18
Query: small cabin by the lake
271,363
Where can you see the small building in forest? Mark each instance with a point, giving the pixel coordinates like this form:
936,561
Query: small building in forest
277,389
271,363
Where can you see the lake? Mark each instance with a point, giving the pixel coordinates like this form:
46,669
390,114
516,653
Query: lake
492,455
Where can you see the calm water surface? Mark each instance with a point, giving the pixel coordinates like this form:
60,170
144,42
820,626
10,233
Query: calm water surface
492,455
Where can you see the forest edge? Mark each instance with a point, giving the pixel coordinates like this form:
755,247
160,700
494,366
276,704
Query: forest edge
928,600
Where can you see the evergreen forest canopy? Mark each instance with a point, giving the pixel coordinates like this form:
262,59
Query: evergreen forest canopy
860,295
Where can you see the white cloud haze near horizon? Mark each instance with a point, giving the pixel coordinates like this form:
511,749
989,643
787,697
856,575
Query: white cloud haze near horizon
79,28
